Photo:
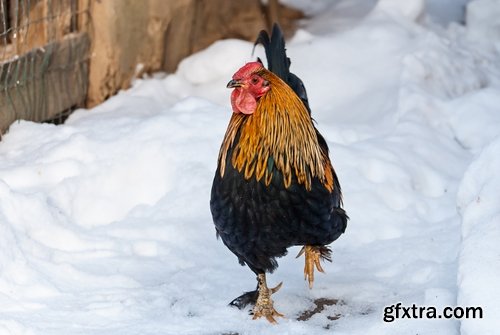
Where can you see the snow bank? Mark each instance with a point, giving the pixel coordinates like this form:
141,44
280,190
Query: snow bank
480,252
474,118
483,25
411,9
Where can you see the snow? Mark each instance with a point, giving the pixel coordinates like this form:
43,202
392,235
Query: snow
479,251
482,16
105,226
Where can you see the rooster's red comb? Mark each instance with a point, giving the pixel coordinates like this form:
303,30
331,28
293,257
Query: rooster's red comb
247,70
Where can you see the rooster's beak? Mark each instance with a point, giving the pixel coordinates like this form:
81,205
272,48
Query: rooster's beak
234,83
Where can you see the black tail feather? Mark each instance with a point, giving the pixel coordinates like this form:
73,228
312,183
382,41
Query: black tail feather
279,63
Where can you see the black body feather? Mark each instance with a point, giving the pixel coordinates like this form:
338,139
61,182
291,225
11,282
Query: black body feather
258,222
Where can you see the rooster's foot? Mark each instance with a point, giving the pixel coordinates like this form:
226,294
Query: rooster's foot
313,256
264,305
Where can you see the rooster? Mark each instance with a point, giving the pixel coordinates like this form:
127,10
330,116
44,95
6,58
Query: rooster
274,186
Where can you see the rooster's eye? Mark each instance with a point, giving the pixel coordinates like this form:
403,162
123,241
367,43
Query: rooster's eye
255,80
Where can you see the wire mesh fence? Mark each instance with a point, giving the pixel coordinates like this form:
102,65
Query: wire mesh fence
44,52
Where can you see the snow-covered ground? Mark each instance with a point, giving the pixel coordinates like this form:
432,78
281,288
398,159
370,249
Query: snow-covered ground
105,225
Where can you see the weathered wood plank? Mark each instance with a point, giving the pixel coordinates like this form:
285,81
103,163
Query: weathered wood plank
45,81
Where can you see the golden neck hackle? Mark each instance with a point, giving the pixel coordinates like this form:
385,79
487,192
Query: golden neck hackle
282,129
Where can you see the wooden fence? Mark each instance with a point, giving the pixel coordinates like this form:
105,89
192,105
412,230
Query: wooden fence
57,55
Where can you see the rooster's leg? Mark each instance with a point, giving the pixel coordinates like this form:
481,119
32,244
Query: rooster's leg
264,305
313,255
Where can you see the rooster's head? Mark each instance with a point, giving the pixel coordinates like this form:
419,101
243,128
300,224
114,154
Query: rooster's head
249,86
